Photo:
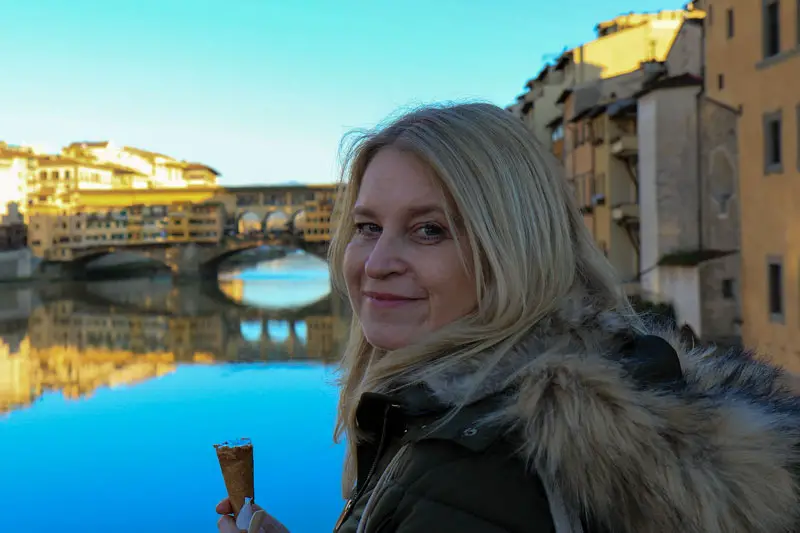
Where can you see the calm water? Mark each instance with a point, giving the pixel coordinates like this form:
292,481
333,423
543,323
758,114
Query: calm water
112,394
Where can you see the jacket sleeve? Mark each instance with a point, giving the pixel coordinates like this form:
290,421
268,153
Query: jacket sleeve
446,487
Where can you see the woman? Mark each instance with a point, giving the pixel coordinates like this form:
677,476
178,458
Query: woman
496,379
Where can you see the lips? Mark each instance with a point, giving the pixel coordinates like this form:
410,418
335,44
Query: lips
388,300
387,296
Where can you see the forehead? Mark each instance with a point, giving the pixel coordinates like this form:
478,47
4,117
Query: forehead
394,177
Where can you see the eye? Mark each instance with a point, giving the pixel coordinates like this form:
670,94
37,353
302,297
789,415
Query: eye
430,233
368,229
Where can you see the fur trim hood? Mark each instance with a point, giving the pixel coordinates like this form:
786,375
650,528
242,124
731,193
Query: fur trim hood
718,454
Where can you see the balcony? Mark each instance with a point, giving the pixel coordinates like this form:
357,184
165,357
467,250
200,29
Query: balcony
625,213
625,146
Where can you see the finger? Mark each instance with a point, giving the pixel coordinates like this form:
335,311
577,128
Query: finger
224,506
226,524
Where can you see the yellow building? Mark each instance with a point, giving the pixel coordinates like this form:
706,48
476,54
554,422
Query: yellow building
60,233
199,175
17,165
582,107
753,64
199,223
317,216
600,161
145,169
622,44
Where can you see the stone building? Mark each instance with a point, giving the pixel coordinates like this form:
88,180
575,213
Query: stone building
621,44
689,208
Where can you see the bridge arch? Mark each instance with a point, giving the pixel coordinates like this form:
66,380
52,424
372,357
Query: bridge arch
276,222
251,330
84,260
249,222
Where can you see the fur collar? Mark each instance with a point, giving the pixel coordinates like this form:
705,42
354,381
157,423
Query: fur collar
716,456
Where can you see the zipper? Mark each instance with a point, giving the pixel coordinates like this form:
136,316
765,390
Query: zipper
348,508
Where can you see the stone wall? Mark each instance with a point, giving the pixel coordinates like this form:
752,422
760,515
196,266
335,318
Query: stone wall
718,145
685,55
720,310
669,189
720,222
16,264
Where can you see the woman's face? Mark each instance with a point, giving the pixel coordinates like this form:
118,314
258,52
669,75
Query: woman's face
403,272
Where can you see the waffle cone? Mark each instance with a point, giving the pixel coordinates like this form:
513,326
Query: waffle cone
236,463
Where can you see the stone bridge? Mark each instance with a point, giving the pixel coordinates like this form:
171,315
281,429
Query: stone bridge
184,260
273,208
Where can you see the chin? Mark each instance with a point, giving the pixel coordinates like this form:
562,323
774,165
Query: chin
388,342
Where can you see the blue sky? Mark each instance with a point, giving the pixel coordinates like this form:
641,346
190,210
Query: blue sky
263,90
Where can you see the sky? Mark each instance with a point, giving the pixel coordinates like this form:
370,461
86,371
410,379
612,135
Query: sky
264,90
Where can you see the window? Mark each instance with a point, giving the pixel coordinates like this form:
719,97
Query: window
773,141
771,28
720,81
727,288
729,20
775,289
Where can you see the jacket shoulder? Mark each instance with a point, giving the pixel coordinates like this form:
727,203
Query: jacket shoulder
728,428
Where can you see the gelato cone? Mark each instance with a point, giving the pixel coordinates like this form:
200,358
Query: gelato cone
236,462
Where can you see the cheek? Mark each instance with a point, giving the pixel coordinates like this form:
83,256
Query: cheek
453,288
353,265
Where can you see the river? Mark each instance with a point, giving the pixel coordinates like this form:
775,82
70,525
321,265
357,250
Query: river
113,393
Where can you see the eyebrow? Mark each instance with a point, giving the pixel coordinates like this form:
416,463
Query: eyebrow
412,211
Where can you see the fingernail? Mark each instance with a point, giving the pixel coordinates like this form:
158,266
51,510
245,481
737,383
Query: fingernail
245,515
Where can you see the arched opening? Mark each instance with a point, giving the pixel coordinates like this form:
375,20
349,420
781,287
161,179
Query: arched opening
249,224
276,222
251,330
301,330
279,331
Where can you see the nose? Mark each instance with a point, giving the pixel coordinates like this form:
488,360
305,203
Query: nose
385,259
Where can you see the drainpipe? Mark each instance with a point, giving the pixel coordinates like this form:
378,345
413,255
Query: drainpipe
594,179
698,125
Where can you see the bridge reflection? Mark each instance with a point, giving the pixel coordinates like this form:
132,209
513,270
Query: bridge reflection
82,337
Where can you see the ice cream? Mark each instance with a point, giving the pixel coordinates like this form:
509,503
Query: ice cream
236,462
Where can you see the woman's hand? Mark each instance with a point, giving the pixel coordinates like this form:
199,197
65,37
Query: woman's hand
262,522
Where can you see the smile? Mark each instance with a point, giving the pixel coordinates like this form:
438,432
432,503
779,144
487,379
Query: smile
384,300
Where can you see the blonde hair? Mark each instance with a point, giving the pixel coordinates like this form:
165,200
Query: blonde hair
528,242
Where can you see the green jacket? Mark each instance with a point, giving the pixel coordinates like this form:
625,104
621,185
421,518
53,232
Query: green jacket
459,475
623,443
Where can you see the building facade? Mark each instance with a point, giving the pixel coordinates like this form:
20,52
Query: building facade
752,54
689,214
142,169
59,234
16,167
622,44
591,125
318,213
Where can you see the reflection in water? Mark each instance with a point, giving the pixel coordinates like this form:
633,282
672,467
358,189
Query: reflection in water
106,334
292,281
151,363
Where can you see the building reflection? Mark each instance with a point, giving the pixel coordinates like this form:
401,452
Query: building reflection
79,343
